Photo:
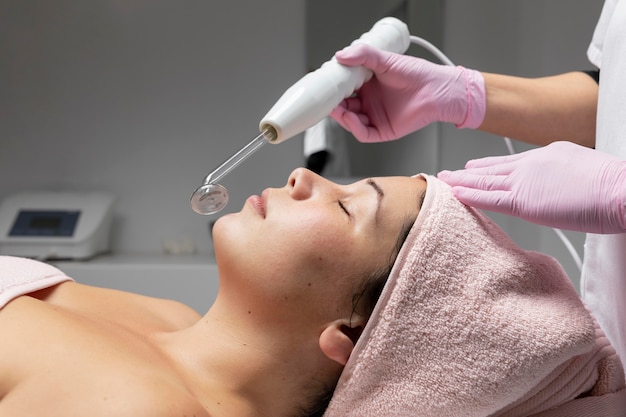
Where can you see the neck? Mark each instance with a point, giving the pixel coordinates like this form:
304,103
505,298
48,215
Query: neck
238,367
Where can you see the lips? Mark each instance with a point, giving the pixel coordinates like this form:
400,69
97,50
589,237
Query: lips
257,204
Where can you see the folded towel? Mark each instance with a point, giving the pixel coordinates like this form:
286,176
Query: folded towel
19,276
469,324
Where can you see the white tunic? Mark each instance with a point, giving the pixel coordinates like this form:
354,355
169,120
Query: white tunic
603,281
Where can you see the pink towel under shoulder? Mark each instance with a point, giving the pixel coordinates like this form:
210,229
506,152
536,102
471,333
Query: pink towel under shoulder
19,276
471,325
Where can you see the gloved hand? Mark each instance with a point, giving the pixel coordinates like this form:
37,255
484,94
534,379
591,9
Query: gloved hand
561,185
407,93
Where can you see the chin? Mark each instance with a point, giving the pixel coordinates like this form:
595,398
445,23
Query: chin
230,237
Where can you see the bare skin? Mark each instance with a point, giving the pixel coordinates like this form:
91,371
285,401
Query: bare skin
542,110
78,350
82,332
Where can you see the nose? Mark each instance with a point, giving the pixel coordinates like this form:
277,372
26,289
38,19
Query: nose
301,183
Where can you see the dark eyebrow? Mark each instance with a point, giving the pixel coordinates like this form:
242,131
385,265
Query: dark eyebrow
379,194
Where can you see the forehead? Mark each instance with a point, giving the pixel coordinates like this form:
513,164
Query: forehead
402,201
403,190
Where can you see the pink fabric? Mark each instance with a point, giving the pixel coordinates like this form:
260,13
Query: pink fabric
19,276
471,325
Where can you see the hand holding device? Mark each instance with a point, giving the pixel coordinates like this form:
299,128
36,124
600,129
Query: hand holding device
316,94
407,94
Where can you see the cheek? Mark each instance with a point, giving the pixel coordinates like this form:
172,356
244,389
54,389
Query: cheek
316,254
308,243
310,263
328,244
226,232
321,239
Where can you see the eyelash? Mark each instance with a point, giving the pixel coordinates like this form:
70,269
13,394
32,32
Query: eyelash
341,205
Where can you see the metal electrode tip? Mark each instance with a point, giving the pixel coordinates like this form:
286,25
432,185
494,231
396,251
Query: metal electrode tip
269,132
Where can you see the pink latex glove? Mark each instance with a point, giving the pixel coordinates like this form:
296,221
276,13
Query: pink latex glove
407,93
561,185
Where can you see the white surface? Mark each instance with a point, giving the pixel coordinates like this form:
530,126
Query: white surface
192,280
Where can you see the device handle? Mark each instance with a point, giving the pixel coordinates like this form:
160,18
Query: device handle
316,94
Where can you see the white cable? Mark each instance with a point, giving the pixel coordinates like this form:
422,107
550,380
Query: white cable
570,248
432,49
509,144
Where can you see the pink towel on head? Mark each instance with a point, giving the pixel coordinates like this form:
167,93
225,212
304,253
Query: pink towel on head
19,276
469,324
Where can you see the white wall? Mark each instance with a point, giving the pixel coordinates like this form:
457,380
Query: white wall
526,38
143,98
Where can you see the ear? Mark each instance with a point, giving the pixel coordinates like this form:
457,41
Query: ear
339,337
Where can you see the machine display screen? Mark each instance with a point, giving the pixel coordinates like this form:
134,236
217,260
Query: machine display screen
42,223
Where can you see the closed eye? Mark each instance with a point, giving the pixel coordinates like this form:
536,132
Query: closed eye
343,207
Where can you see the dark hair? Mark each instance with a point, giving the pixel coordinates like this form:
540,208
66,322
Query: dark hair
363,303
316,400
365,299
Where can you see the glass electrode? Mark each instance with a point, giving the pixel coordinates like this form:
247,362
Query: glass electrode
212,197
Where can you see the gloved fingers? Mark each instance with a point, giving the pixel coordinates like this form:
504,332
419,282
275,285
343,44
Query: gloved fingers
493,160
498,201
339,115
475,181
362,54
358,124
474,174
341,112
505,168
353,104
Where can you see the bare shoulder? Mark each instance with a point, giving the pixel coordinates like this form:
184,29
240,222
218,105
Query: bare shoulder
129,397
147,400
164,314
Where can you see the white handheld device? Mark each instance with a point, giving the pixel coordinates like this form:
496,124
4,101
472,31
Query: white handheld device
316,94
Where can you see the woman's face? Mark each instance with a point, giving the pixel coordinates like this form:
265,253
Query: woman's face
311,242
